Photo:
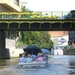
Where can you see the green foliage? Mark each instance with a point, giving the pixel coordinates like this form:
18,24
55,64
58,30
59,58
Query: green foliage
27,14
37,38
0,16
35,15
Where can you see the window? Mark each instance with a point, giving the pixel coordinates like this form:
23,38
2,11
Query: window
16,2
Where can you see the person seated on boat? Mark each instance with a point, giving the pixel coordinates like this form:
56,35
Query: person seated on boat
34,57
29,59
45,56
40,58
22,59
25,54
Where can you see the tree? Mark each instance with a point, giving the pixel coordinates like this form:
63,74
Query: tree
27,13
37,38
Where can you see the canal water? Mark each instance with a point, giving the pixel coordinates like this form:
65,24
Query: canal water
58,65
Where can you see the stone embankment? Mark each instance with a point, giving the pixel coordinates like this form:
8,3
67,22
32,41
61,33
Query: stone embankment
10,46
69,52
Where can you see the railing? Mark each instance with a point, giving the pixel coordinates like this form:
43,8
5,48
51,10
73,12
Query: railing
36,15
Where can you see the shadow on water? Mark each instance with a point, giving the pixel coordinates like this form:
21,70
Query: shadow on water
72,63
4,57
72,70
72,66
4,63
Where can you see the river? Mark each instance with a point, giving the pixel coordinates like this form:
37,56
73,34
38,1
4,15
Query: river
58,65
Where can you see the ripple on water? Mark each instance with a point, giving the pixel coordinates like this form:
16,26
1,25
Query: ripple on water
58,65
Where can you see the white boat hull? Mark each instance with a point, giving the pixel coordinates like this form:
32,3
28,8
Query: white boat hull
33,64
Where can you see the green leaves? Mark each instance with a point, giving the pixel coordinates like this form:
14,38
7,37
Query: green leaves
37,38
27,12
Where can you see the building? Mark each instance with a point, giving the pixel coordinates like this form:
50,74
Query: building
59,37
10,5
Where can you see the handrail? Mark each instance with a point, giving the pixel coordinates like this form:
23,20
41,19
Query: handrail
37,15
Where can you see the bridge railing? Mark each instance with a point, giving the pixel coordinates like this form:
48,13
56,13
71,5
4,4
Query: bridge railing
36,15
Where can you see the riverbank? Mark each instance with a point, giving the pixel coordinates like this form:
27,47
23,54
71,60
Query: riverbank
69,52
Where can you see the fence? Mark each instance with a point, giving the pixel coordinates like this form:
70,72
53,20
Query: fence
36,15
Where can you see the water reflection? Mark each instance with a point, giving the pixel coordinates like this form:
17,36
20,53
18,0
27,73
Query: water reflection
72,62
4,63
72,67
72,73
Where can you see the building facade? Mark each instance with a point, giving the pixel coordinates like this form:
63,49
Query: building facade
10,5
60,38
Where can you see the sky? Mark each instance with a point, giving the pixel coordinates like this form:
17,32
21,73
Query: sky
49,5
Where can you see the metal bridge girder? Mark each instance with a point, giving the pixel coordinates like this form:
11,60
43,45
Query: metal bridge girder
21,24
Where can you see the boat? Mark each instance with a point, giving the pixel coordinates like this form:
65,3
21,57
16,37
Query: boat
32,64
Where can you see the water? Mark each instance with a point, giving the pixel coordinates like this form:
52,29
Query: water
58,65
4,63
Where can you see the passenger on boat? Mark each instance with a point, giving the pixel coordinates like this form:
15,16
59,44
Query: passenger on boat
25,54
34,57
29,59
22,59
40,58
45,57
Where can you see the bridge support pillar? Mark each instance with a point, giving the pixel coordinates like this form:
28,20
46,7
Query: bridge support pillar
3,52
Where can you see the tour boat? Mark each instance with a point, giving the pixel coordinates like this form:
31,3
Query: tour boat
33,64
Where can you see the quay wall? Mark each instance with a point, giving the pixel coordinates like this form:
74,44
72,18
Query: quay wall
69,52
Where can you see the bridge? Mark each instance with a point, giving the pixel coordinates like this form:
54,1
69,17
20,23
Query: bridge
36,21
32,21
46,25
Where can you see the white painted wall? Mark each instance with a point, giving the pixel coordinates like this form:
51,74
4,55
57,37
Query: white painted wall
58,52
10,44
